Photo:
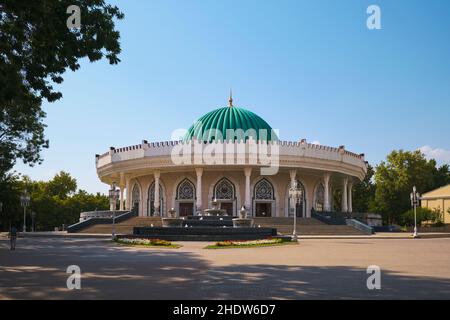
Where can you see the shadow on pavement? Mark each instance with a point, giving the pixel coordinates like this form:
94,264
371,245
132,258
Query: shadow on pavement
38,271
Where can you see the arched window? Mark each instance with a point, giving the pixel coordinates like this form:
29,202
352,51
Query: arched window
186,190
185,198
264,190
151,200
224,190
263,196
135,196
319,198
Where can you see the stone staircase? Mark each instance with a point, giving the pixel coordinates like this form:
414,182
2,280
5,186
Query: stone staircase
306,226
124,227
284,226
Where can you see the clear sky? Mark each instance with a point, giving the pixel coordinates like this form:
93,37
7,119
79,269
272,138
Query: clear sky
311,69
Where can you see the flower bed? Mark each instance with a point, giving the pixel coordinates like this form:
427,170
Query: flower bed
249,243
146,242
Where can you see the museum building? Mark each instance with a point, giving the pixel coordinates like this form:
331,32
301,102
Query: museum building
253,169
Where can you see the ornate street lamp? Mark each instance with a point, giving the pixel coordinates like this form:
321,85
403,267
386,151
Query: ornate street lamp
114,195
415,197
296,195
25,202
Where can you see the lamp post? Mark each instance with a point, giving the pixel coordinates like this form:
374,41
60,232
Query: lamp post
1,208
33,216
25,202
114,194
415,197
296,194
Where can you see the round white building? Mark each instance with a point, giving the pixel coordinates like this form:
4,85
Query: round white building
231,155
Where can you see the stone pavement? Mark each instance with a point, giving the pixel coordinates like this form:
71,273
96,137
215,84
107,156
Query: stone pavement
314,269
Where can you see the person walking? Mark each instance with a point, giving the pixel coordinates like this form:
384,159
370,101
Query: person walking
13,237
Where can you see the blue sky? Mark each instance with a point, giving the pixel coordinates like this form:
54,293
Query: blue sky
312,69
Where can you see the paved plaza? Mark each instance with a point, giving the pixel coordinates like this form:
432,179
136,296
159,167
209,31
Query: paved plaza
315,269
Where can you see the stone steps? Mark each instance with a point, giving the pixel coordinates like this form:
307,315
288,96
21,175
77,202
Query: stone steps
283,225
308,226
125,227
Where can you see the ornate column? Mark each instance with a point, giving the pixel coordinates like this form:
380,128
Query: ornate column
198,190
344,195
128,198
326,185
144,199
350,189
121,186
248,173
156,203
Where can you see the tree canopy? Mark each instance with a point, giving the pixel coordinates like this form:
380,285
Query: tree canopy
395,178
36,49
55,202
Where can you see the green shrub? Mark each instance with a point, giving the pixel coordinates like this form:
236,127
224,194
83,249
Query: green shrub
423,214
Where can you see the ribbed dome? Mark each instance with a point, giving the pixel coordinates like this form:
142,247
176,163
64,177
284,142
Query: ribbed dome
214,125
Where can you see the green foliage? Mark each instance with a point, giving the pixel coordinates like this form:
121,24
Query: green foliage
36,49
55,202
423,215
364,192
62,185
395,178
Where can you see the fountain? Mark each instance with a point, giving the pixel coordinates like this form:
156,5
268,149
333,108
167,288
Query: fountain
214,225
172,221
215,211
242,221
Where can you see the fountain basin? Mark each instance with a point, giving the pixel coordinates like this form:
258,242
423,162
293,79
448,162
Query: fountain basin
242,223
172,222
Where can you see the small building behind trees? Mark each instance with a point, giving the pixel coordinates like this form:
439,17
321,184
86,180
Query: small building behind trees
438,200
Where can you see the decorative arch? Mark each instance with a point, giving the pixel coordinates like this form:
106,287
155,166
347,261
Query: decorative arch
301,207
136,196
319,197
264,190
224,189
185,190
264,199
225,192
151,199
185,198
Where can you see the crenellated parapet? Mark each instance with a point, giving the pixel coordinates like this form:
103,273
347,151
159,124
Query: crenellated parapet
285,153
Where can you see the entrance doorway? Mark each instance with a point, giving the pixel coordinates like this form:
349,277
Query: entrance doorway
263,209
227,206
186,209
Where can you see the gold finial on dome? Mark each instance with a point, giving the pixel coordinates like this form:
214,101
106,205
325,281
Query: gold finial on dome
230,101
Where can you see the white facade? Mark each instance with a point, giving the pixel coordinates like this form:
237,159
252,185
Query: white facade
240,177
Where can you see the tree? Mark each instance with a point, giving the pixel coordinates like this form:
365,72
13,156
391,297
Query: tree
364,192
36,49
395,179
62,185
55,202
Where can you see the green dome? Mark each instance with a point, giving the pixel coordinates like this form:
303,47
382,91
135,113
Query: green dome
214,125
